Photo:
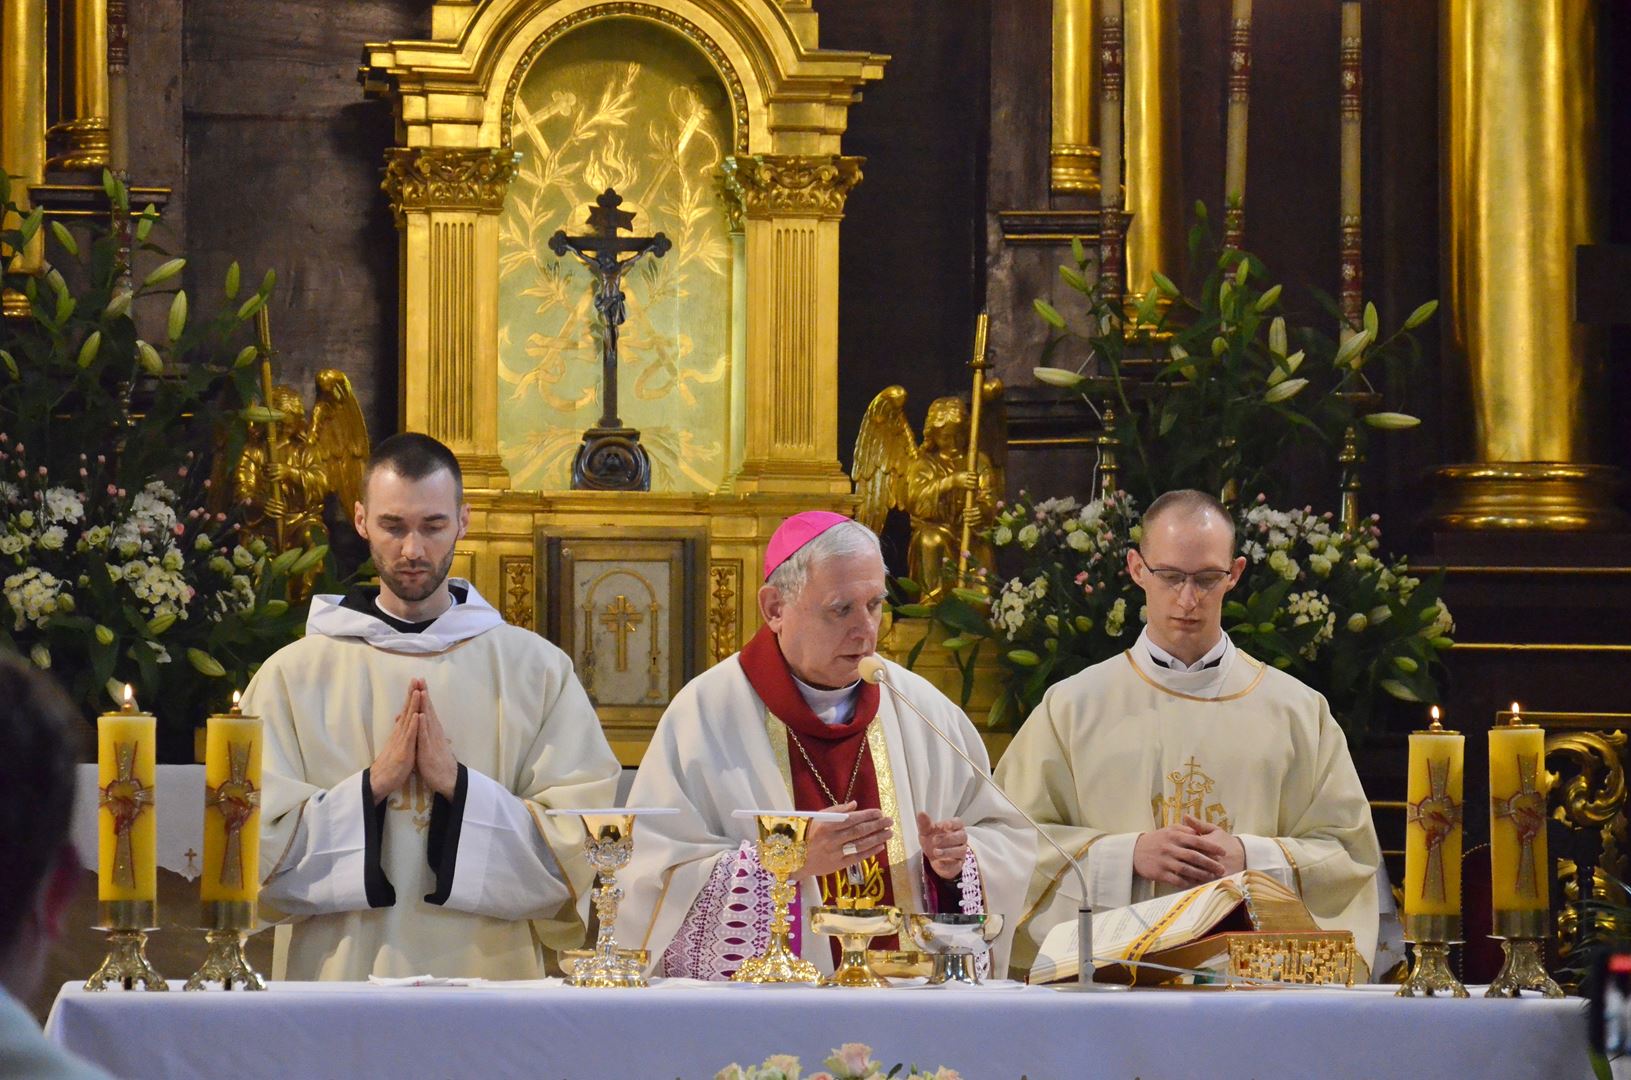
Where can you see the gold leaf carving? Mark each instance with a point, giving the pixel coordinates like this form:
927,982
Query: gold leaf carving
799,184
447,178
724,630
516,602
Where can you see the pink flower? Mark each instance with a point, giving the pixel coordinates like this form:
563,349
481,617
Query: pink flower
182,471
854,1058
113,489
220,517
179,529
206,485
1262,498
101,459
1081,578
83,472
42,470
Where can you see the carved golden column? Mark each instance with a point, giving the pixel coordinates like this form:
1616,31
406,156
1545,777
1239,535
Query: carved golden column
81,134
1520,168
22,123
1073,158
794,203
1155,235
446,201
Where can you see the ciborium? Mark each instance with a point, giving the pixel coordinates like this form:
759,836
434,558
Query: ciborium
855,928
955,941
608,847
781,852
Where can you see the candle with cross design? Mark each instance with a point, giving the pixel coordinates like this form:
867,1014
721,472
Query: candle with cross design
1518,782
1432,846
232,796
127,838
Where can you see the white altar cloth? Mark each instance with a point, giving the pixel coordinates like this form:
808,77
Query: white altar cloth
681,1029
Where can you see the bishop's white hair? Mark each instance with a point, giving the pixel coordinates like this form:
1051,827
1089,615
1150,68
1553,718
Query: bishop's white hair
846,538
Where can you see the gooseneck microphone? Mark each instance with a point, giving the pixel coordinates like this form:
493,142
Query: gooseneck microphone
872,669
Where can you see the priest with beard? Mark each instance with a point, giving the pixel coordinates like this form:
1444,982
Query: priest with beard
413,739
787,724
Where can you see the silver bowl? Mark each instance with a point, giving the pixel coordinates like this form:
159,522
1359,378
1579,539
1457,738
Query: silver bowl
954,940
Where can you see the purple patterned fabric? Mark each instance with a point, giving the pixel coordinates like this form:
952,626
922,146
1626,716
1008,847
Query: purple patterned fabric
728,922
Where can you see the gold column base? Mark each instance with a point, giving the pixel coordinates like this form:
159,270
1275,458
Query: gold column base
86,144
1523,969
1074,168
1136,330
127,922
1549,496
1430,974
227,923
14,305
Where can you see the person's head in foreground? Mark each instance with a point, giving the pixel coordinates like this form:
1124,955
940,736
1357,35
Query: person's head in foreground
823,596
412,514
1185,562
37,760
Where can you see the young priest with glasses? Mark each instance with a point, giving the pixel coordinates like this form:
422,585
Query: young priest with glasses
1184,759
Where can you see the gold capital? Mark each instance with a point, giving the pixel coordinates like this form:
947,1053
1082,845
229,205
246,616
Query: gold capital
447,178
798,185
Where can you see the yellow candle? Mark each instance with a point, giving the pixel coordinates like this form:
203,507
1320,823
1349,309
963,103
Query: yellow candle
1432,843
1517,816
127,838
232,775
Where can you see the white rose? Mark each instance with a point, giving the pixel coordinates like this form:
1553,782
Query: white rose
1028,536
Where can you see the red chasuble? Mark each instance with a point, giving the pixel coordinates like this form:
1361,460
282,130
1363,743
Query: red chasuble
833,749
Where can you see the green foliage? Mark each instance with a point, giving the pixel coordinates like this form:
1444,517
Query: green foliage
118,562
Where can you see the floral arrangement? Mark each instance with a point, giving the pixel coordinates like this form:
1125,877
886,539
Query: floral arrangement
120,561
852,1061
1226,393
1315,600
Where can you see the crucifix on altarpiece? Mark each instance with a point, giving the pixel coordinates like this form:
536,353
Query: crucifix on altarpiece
611,457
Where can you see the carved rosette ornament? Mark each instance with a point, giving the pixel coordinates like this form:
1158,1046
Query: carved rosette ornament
447,178
792,185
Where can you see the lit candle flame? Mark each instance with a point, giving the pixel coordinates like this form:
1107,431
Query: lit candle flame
237,696
1517,717
130,698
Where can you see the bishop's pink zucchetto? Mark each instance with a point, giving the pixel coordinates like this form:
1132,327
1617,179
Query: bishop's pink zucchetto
795,532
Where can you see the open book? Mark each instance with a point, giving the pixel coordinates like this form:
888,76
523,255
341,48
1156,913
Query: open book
1181,930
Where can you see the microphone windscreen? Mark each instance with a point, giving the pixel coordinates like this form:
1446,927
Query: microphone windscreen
871,668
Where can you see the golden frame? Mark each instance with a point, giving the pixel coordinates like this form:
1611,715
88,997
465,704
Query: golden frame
685,551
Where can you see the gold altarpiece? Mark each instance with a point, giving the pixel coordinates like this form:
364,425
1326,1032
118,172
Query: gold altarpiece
720,121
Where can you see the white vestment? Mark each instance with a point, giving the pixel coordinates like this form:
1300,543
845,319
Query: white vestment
717,749
420,884
1126,747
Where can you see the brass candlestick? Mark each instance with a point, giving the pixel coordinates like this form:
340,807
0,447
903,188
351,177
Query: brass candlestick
855,928
1523,943
781,851
1430,974
127,924
226,924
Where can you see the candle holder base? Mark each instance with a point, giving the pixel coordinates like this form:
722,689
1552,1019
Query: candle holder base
1523,969
225,963
126,964
1430,974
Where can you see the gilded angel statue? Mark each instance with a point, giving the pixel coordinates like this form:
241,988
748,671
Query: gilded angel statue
931,481
291,464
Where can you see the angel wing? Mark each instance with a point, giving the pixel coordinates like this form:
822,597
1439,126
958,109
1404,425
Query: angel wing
994,434
338,436
884,451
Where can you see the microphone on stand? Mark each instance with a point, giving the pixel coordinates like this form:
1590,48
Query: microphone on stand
871,669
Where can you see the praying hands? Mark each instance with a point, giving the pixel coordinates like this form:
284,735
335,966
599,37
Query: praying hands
417,743
1190,853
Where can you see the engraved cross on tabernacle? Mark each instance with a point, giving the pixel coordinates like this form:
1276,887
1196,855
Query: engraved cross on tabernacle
621,617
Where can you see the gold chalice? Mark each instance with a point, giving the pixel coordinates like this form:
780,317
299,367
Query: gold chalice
781,851
608,847
955,940
855,928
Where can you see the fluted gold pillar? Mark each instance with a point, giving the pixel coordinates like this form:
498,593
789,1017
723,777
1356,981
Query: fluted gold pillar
1155,231
794,203
446,201
1520,167
22,123
1073,159
81,135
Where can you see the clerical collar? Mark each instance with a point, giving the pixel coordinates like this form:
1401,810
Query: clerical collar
831,707
1162,658
365,599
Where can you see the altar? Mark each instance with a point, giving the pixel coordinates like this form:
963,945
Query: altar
691,1030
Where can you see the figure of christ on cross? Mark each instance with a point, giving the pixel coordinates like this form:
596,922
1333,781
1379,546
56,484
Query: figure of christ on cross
611,457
